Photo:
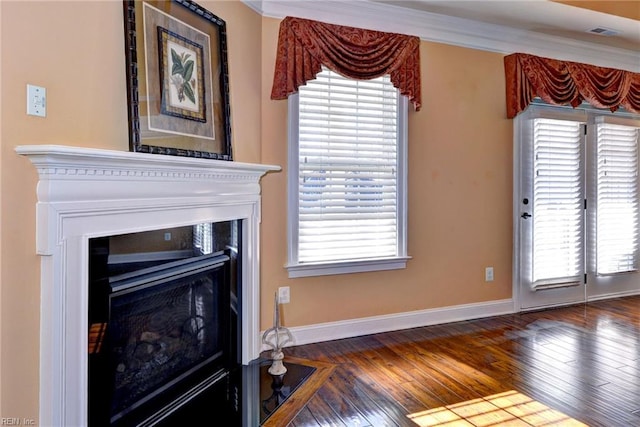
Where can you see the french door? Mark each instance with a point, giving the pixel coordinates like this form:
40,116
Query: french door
551,211
576,207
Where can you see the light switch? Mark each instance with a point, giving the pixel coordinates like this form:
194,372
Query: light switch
36,101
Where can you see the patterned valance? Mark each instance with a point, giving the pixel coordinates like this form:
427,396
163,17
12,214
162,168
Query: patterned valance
305,45
568,83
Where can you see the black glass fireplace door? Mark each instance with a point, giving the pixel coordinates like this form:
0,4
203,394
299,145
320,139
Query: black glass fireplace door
164,333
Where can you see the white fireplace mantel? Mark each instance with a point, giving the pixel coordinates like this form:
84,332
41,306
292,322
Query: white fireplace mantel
84,193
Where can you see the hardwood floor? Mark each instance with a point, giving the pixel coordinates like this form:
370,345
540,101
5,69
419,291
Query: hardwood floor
577,365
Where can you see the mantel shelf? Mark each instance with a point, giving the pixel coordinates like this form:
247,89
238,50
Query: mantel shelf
65,162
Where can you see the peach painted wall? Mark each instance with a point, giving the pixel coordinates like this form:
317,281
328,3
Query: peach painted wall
460,195
76,50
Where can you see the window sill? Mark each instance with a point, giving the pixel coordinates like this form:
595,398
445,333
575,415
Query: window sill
346,267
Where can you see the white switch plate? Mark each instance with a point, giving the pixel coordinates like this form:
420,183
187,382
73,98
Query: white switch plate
36,101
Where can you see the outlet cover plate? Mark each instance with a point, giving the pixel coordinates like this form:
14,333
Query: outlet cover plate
284,295
488,274
36,101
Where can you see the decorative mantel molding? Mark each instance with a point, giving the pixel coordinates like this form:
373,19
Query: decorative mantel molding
64,161
84,193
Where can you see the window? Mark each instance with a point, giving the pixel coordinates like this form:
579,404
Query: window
347,176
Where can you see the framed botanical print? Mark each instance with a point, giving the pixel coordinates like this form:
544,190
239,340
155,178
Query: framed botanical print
177,79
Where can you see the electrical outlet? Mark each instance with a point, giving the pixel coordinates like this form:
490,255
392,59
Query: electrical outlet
488,274
284,295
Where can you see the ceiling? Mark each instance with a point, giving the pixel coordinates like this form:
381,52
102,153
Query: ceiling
567,19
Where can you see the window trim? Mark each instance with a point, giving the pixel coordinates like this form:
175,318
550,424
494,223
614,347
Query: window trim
308,269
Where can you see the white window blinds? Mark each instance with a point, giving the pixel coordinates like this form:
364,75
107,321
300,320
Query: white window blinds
347,182
617,193
558,224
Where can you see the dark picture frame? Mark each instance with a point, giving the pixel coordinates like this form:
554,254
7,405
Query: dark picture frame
177,79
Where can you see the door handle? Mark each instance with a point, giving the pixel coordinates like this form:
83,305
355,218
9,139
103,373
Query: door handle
526,215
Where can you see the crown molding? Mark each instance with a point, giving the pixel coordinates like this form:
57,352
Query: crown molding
449,30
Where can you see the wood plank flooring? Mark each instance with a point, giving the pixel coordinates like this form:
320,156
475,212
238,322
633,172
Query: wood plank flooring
571,366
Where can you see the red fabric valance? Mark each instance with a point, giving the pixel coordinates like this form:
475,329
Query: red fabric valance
564,82
305,45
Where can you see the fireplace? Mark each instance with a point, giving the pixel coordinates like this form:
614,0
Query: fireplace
163,321
88,195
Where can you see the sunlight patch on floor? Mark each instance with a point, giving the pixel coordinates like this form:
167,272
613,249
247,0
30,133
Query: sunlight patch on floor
510,408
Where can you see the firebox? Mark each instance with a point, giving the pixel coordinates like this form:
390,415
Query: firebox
163,324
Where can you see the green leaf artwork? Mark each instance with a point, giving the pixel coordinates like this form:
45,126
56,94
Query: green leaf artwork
182,75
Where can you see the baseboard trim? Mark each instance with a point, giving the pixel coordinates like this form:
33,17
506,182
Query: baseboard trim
601,297
371,325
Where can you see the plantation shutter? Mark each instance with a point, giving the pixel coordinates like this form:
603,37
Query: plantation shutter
558,214
348,136
617,193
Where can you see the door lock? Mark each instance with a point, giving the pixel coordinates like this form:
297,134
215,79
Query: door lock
526,215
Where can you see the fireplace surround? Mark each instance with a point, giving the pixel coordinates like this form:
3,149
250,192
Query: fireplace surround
86,193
